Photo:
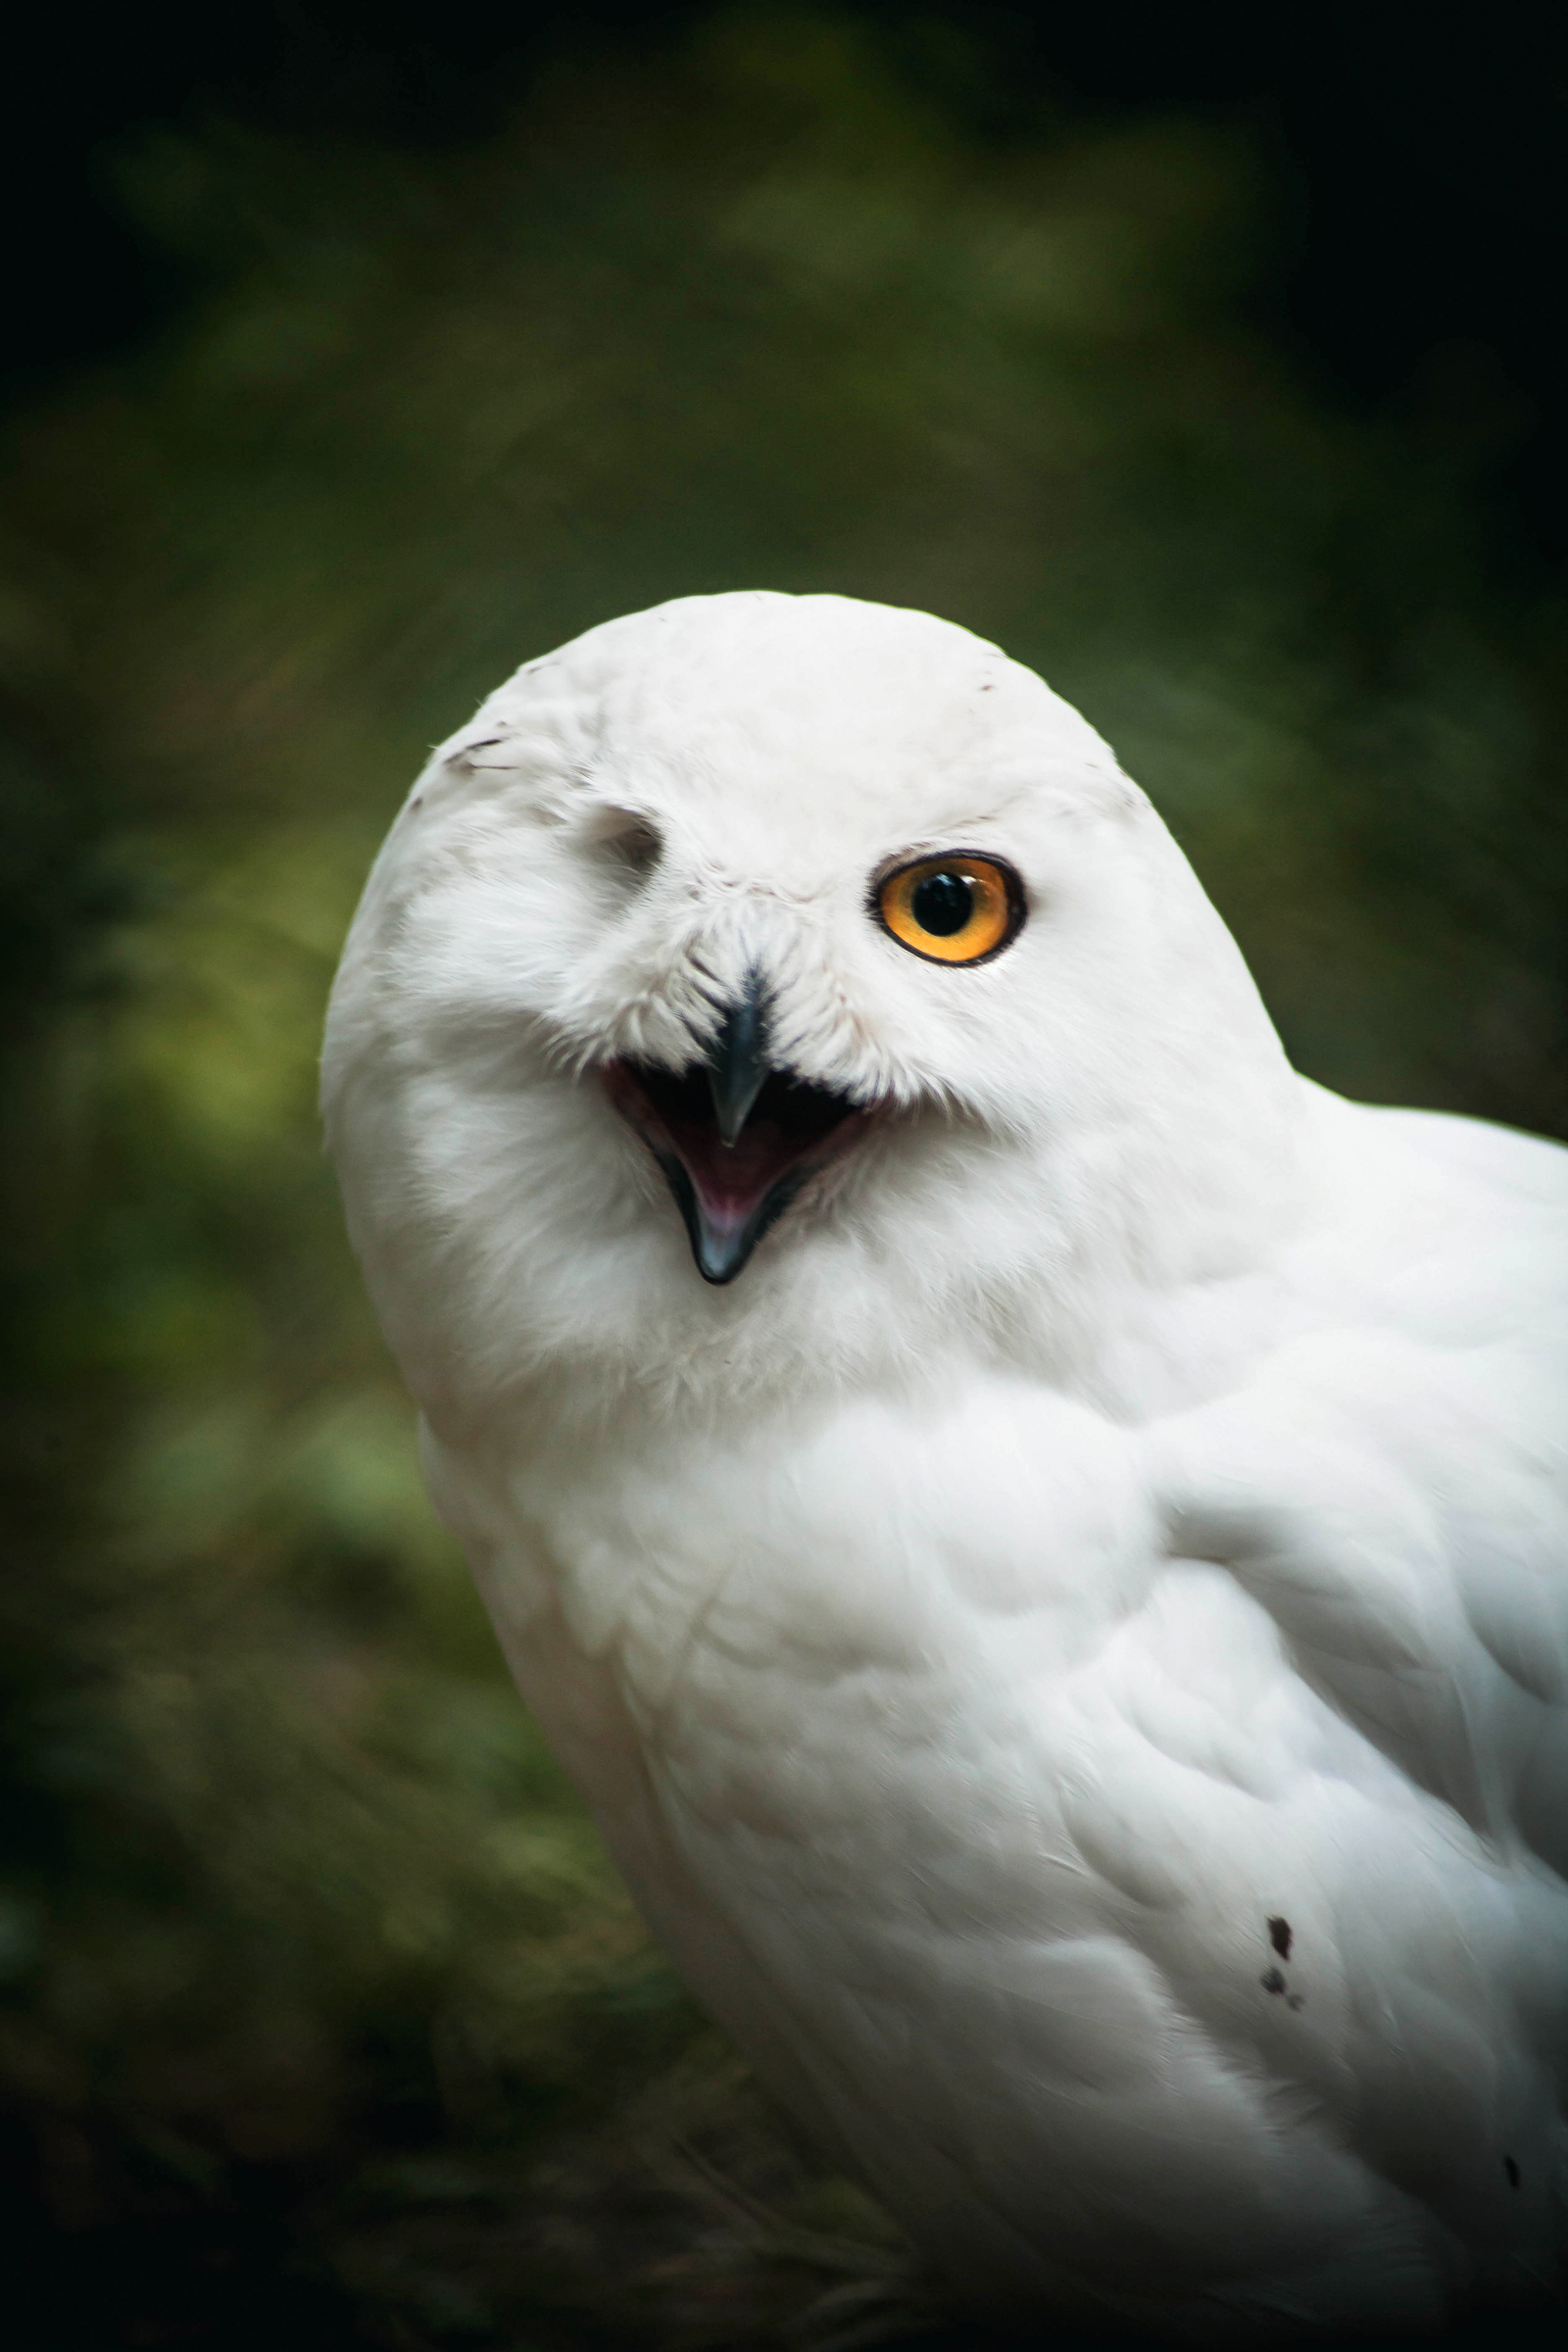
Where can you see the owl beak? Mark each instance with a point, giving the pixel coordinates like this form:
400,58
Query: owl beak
738,1063
736,1137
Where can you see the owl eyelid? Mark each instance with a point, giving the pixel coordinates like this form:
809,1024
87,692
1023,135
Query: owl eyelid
628,839
1011,881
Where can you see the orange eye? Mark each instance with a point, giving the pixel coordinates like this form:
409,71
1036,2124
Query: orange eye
953,908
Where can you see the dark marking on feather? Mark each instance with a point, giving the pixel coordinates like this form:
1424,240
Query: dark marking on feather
1510,2172
1296,2000
1271,1980
1279,1935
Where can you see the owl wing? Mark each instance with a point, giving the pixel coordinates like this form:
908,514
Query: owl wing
1393,1488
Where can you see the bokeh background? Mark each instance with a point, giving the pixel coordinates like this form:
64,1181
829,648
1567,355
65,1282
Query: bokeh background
354,356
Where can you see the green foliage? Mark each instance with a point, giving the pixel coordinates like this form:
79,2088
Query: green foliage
298,1917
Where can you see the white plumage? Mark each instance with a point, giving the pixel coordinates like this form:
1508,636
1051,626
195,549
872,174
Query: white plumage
1068,1641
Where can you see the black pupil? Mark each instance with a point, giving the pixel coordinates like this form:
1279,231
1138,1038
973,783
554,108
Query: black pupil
942,904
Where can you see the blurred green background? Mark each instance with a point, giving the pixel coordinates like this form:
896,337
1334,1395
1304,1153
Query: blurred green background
321,2017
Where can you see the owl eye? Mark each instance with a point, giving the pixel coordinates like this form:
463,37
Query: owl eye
953,908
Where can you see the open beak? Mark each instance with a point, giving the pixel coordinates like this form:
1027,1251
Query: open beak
735,1136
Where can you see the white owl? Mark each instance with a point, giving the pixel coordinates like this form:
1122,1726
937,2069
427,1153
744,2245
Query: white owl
1042,1536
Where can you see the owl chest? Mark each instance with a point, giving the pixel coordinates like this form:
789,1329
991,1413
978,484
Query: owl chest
1023,1839
912,1692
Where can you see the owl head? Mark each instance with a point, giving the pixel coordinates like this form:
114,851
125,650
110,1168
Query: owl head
766,991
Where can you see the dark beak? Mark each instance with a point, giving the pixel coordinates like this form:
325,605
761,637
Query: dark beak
737,1060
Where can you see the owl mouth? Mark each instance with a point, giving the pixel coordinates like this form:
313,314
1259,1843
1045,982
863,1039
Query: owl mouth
736,1140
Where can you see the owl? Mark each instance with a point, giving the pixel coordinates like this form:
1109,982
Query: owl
1041,1534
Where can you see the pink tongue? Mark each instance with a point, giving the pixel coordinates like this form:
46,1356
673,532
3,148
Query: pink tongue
729,1184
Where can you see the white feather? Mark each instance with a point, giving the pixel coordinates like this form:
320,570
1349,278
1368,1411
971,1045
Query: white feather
1071,1647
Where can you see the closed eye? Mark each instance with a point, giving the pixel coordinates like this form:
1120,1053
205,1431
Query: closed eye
629,840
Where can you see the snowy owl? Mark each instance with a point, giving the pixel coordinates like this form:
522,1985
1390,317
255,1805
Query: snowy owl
1042,1536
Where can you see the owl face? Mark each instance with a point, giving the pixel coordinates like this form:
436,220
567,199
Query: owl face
759,956
742,1131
